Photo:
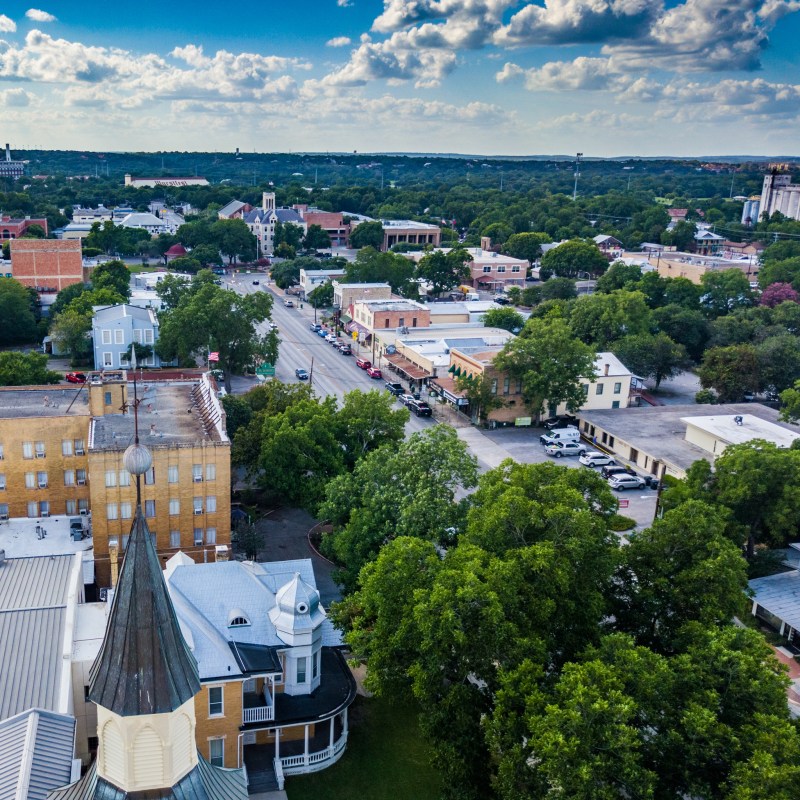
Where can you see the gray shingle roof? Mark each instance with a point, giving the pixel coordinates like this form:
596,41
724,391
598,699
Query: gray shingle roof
36,753
144,666
780,595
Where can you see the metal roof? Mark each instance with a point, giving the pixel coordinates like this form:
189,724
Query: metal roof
35,582
204,782
780,595
36,754
144,666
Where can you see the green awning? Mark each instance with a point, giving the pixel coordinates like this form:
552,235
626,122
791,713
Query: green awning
452,369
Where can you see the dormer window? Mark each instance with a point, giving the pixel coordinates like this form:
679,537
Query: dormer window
237,619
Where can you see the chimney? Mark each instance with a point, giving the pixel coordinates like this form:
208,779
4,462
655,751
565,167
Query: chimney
486,243
605,369
113,555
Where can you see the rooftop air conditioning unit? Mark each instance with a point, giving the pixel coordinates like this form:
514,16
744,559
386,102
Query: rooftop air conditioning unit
198,478
40,455
81,481
198,511
80,451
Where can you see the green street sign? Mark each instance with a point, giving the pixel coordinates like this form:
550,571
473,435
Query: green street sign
267,370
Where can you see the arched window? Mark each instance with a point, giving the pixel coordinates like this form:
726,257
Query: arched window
237,618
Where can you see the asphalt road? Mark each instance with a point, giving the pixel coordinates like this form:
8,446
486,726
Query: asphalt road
331,372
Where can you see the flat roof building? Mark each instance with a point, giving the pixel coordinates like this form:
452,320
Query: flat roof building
47,265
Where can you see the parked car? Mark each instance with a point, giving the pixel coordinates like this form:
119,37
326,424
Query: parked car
362,363
561,421
322,333
595,459
75,377
501,300
301,374
560,435
330,338
345,350
406,399
559,449
394,388
288,303
420,408
315,326
615,469
374,372
256,283
622,482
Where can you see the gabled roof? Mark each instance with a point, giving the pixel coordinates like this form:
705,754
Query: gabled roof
231,208
144,666
36,753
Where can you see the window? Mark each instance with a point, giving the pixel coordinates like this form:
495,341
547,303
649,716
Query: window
211,504
501,269
108,361
413,322
315,665
27,449
197,473
487,269
79,450
137,335
494,385
215,707
506,385
40,451
33,509
112,511
599,389
124,478
216,752
174,506
238,622
211,535
197,503
2,482
30,480
518,388
198,536
119,337
106,336
107,395
72,507
585,387
172,474
617,388
66,447
149,508
80,475
148,336
4,510
401,322
386,323
301,670
69,477
515,269
41,480
125,511
111,478
615,404
211,472
83,506
1,453
174,538
44,508
150,476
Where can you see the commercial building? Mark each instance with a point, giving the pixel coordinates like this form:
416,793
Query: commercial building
15,228
332,222
150,183
345,295
47,265
488,270
91,215
372,315
667,440
780,194
10,168
672,264
751,210
397,231
310,279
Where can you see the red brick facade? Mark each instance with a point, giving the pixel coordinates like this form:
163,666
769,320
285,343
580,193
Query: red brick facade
14,228
47,264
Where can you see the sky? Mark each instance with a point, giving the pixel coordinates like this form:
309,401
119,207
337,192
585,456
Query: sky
492,77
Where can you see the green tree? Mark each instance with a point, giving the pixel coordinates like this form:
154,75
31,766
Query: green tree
575,258
651,355
558,289
186,264
17,320
505,318
64,297
210,318
371,266
682,292
367,234
238,414
681,236
234,240
481,393
724,291
601,319
34,232
321,296
206,254
171,289
498,232
284,250
731,372
112,275
249,539
550,362
526,245
71,331
289,234
618,276
316,238
444,270
25,369
685,326
779,362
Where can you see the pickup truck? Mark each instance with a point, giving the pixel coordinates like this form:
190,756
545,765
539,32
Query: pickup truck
394,388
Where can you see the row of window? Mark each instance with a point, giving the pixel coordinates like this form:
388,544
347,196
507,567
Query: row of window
200,536
599,388
43,508
123,510
69,447
139,336
400,322
499,269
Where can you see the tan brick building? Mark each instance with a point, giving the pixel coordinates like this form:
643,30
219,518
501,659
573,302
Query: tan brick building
47,264
384,314
61,454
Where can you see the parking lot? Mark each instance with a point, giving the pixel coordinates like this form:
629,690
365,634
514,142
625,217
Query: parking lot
522,444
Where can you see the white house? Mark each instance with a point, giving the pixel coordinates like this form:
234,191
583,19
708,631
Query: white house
146,221
114,328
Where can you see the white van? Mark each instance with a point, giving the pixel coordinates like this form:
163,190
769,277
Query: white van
568,434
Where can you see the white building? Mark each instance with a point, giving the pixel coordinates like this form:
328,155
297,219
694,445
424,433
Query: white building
780,194
262,222
150,183
146,221
114,328
312,278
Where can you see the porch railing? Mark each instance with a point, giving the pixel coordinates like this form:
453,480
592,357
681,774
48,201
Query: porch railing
298,765
258,714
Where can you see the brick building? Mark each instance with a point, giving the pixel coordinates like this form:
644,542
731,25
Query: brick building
381,314
47,265
14,228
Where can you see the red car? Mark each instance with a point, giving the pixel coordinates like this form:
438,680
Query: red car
374,372
362,363
75,377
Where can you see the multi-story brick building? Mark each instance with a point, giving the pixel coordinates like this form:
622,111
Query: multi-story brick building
67,459
47,265
382,314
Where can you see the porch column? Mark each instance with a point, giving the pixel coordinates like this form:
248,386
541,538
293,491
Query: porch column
278,743
330,746
344,723
305,753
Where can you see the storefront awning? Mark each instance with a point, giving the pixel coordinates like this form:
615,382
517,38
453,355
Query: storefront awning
406,366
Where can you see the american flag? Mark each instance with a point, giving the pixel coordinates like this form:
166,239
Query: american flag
213,356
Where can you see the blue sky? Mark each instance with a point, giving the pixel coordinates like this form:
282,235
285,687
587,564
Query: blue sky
604,77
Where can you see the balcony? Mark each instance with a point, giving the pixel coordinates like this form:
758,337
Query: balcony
256,709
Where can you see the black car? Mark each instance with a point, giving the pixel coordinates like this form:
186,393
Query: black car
501,300
301,374
345,350
394,388
615,469
561,421
420,408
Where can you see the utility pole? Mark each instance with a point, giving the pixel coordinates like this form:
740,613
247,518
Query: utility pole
577,175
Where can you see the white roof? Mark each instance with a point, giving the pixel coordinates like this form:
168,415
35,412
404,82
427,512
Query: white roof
780,595
615,366
142,220
205,594
725,428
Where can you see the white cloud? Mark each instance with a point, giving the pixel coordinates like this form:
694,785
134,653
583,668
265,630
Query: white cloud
344,3
37,15
7,25
16,98
339,41
583,73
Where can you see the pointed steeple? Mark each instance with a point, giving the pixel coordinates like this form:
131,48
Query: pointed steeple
144,666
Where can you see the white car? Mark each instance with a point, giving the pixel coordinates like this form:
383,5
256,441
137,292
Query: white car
559,449
622,482
595,459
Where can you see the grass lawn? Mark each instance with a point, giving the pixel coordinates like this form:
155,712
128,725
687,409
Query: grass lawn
144,267
386,759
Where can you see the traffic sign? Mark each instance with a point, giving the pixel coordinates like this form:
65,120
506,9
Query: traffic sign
267,370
